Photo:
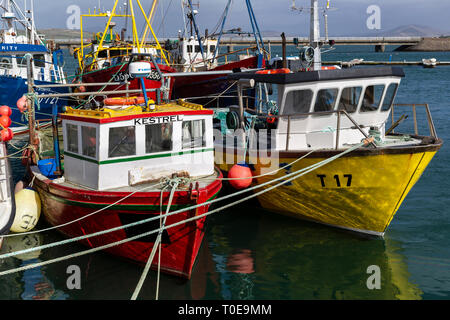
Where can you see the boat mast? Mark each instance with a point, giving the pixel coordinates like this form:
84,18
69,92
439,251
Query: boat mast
197,32
314,36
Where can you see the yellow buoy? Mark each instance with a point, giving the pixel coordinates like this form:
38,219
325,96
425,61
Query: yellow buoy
28,210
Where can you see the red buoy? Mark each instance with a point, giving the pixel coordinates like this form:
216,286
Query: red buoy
22,104
5,111
241,175
6,134
5,121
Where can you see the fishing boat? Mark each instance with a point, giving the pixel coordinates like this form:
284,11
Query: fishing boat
47,63
7,202
334,125
199,56
124,164
106,57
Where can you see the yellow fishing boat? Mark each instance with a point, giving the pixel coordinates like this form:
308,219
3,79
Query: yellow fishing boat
317,123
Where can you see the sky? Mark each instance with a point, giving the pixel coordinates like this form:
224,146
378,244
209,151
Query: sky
348,17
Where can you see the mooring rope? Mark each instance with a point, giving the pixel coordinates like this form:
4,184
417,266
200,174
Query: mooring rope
81,218
291,176
156,244
143,189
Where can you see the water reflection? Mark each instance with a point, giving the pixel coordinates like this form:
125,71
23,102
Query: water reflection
245,256
281,258
32,284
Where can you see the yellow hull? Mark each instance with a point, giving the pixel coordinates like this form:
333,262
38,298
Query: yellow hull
356,192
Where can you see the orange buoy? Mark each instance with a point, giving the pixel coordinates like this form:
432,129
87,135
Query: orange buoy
124,101
242,176
6,134
5,111
5,121
22,104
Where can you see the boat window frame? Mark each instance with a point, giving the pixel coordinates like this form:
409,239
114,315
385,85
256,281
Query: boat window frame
316,95
172,144
359,99
193,146
75,125
379,103
39,60
109,142
287,91
82,141
393,97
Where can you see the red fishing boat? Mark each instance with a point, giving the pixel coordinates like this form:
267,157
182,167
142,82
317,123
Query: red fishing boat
199,56
106,57
120,164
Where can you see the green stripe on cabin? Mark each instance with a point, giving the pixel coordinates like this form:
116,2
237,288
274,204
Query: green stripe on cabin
153,156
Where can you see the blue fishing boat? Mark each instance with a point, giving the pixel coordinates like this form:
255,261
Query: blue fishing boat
15,44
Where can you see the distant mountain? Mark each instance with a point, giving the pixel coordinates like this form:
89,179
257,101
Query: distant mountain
63,34
411,31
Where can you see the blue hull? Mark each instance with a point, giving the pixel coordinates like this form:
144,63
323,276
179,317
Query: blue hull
12,89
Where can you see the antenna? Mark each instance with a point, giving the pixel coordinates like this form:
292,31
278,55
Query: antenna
314,36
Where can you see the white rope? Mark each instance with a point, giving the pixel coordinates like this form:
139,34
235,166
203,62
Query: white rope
291,176
81,218
55,244
156,244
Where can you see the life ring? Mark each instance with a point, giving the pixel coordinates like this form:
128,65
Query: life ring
274,71
125,101
329,68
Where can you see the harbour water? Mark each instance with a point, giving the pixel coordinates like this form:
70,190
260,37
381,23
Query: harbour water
250,254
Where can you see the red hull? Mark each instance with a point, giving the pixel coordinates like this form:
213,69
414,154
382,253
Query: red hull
180,244
199,86
117,74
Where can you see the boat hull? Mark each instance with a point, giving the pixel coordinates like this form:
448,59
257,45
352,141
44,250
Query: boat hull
360,191
12,89
210,85
7,200
180,244
119,73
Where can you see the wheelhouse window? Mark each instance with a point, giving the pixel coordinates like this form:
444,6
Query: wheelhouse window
122,142
212,48
89,141
158,137
326,99
39,60
72,137
298,101
372,98
390,97
193,134
350,99
189,48
197,48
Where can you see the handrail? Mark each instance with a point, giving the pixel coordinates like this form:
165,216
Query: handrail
338,129
431,126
